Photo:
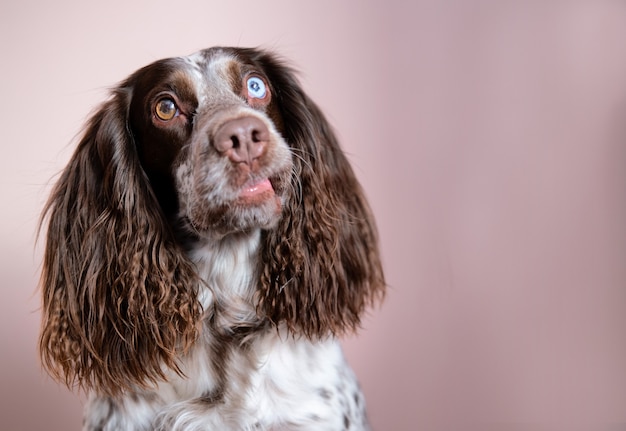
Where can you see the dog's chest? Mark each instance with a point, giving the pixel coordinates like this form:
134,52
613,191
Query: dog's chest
273,380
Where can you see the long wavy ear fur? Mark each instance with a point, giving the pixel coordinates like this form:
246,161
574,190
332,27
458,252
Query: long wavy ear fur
119,298
321,265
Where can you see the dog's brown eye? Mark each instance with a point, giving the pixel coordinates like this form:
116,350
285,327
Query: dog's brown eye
166,109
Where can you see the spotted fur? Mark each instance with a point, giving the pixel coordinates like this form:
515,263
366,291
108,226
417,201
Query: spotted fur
205,247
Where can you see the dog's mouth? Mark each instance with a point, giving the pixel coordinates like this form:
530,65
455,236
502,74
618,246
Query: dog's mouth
256,191
255,188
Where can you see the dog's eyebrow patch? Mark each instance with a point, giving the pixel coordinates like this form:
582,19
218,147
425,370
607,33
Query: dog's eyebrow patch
183,85
233,73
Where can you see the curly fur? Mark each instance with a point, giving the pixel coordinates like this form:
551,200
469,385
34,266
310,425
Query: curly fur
322,267
119,296
138,285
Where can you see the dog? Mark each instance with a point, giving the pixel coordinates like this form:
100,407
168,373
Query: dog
206,245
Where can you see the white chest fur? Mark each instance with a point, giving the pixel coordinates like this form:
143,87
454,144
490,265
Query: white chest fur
264,379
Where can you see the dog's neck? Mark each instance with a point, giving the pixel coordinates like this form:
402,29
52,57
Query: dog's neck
228,271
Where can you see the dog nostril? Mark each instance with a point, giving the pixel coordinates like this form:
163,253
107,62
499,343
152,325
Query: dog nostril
242,139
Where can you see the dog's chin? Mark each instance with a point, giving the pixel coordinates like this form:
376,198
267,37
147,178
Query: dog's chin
257,207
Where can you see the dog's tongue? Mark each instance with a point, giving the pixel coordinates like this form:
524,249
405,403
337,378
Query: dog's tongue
256,187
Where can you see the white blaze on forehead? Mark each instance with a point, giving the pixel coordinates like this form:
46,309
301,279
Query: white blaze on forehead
210,74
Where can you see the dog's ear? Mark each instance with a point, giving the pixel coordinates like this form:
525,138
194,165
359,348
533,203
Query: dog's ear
119,297
321,266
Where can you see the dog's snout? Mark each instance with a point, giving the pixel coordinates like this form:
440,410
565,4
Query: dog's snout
243,139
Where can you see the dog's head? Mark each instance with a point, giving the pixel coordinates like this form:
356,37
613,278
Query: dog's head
206,133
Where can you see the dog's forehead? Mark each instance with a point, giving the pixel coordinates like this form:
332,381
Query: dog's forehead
213,69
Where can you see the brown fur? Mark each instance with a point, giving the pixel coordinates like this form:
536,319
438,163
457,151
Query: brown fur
119,293
119,297
321,264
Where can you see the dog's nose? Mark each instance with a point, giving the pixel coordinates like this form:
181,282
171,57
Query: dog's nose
242,139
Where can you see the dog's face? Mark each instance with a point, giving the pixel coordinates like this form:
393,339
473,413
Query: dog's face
207,133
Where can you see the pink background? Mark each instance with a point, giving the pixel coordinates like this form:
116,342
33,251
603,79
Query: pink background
491,140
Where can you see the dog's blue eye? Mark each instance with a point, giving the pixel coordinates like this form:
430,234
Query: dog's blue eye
256,87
